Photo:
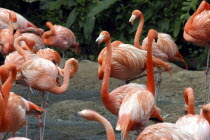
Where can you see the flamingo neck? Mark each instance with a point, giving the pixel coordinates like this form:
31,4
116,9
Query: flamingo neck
204,5
107,70
11,36
49,33
67,68
205,112
139,32
109,130
189,100
149,64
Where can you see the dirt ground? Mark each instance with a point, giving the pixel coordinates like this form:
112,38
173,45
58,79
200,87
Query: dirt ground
84,93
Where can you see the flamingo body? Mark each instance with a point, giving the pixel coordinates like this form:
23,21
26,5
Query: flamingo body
167,131
196,125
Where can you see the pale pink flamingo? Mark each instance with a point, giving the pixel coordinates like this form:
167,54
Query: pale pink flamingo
196,125
18,138
39,43
94,116
196,30
139,104
20,23
41,74
60,37
164,131
165,48
15,107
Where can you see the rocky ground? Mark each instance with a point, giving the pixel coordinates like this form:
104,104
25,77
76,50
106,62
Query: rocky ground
84,92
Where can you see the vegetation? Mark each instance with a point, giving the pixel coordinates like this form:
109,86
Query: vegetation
87,18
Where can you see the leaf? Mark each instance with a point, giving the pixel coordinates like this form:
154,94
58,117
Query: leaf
102,6
177,26
71,18
55,5
88,28
185,16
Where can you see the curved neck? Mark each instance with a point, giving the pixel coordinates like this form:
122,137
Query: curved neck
11,36
204,5
51,32
20,49
107,69
109,130
189,100
149,64
139,32
64,87
205,112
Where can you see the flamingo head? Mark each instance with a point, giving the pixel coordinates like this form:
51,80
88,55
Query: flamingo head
103,37
135,14
75,47
87,114
205,111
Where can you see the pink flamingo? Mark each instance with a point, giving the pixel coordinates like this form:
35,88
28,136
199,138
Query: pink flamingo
112,101
201,127
60,37
127,62
94,116
20,23
196,30
14,107
165,48
164,131
139,104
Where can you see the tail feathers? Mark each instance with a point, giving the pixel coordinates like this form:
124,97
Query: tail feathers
160,63
34,109
180,58
156,117
124,125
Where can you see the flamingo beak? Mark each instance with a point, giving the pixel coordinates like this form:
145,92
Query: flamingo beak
100,38
132,18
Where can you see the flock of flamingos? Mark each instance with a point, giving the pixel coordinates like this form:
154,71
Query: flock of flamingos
29,63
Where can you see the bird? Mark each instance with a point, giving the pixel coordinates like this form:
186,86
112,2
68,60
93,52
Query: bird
94,116
6,37
139,104
164,131
127,62
196,30
201,127
60,37
39,43
15,107
165,48
20,22
113,100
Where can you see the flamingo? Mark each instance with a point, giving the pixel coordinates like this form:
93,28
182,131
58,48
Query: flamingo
165,48
18,138
139,104
39,43
94,116
196,30
15,107
164,131
6,37
41,74
60,37
201,128
20,23
112,101
127,62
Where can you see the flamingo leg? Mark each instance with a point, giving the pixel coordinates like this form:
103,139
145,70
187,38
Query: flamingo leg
206,80
5,136
41,122
45,113
158,82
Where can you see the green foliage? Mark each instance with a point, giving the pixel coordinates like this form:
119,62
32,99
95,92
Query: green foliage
88,18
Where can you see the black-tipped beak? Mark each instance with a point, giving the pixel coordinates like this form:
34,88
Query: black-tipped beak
77,115
185,112
155,119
